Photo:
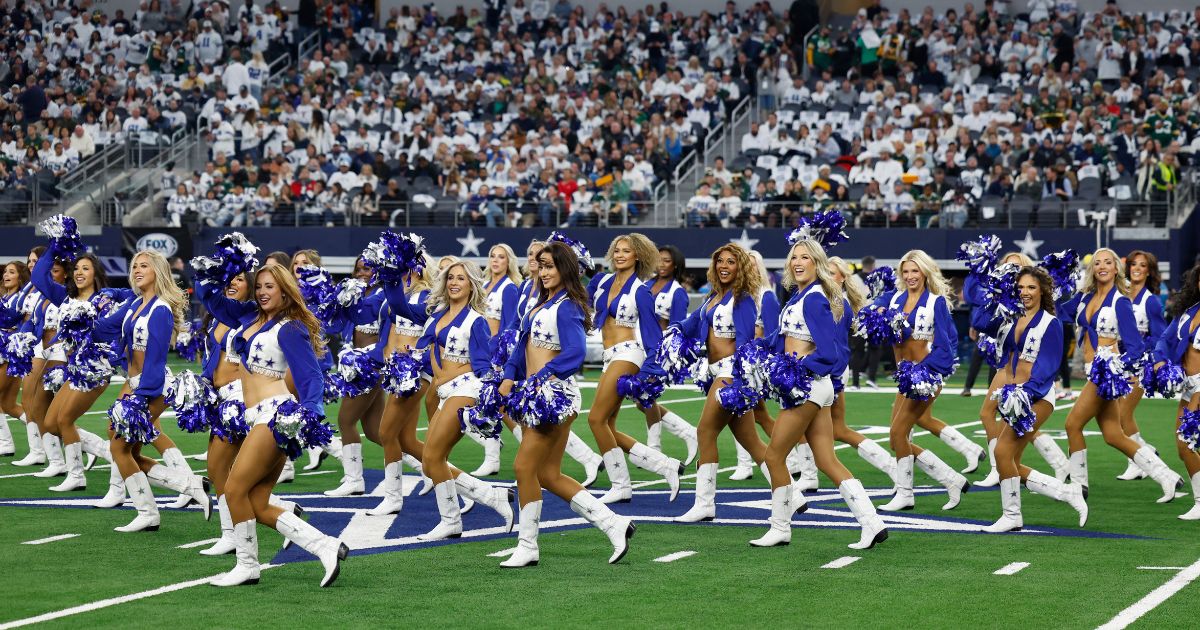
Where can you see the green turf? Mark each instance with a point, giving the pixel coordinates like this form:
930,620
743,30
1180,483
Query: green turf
916,578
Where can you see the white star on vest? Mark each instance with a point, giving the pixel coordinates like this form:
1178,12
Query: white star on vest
470,244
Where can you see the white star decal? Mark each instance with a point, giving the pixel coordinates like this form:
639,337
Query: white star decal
745,242
1029,246
470,244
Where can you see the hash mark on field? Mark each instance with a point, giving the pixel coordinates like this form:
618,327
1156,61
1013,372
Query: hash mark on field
672,557
503,553
316,472
1154,598
42,541
844,561
1162,568
1011,569
198,543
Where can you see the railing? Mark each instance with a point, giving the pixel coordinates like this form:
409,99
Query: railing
805,70
740,113
108,157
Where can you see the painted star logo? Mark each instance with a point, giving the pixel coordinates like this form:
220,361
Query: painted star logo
744,241
1029,245
470,243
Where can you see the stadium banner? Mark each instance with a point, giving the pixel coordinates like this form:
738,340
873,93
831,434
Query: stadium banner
166,241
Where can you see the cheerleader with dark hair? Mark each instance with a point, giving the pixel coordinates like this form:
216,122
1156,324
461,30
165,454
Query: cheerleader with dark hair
1030,345
14,289
625,316
44,446
812,313
1112,346
1177,361
671,307
1141,268
548,355
924,358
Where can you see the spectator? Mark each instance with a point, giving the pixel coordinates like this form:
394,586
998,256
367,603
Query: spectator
701,208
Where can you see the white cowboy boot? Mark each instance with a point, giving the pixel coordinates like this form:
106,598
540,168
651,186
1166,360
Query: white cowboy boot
288,473
582,453
903,500
1079,470
705,506
353,483
654,461
36,455
246,570
681,429
526,554
1010,503
329,550
491,455
1069,493
654,436
968,449
173,457
7,447
956,485
1132,470
115,495
993,476
143,501
191,484
56,464
415,464
780,521
75,480
227,543
393,491
621,490
1053,455
497,498
316,456
1194,513
1157,469
873,529
619,529
450,525
808,468
745,464
872,453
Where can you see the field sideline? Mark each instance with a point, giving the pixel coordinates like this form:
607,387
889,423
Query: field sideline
1134,562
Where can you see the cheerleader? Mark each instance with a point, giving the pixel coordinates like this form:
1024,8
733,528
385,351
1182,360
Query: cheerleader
814,312
13,291
625,316
548,355
147,333
276,335
35,397
1144,281
1108,334
868,449
456,346
726,320
501,313
1031,350
1179,345
671,307
924,359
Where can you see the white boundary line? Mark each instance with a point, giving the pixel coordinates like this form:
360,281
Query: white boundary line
42,541
844,561
672,557
1011,568
1153,599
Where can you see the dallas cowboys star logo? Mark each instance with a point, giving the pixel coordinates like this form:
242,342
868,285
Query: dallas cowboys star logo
470,243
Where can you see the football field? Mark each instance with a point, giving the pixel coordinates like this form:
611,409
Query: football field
1134,562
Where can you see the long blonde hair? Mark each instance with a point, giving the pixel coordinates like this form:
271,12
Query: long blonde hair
438,297
763,274
747,281
854,292
514,269
1119,278
314,257
424,280
164,287
644,251
534,244
1022,259
824,278
935,282
293,306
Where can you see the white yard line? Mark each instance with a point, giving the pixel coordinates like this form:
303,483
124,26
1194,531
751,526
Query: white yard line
1153,599
1010,569
198,543
672,557
42,541
1161,568
844,561
503,553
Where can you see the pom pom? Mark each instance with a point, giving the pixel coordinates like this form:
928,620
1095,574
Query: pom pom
643,389
91,366
789,381
750,362
350,292
189,342
64,237
880,281
316,285
916,381
1065,270
229,422
980,254
76,320
18,351
1166,382
402,374
827,227
700,375
586,264
881,327
503,345
1014,407
129,418
739,397
394,256
193,399
1108,373
54,378
484,417
357,372
1000,287
1189,428
331,390
540,400
109,301
297,427
991,351
678,354
235,255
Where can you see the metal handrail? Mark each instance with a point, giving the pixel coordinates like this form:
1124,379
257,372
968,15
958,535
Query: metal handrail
804,68
103,160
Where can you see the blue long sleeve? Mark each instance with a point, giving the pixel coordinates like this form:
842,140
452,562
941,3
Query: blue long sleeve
367,309
745,316
885,300
649,329
108,327
1068,308
769,312
1045,367
301,359
9,317
1132,343
679,307
973,291
692,323
44,282
154,361
480,347
572,340
819,318
226,310
398,300
1154,313
508,306
515,368
942,355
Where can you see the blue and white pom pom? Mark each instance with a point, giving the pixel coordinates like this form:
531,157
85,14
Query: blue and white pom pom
739,397
880,281
91,367
229,422
357,372
402,374
1110,375
991,351
350,292
1165,382
1000,287
789,381
643,389
503,345
827,227
586,264
316,285
188,342
916,381
1014,407
297,427
394,256
1189,428
109,301
1065,270
64,237
884,327
76,320
484,417
980,254
129,418
235,255
54,378
750,364
193,399
541,401
18,351
678,354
